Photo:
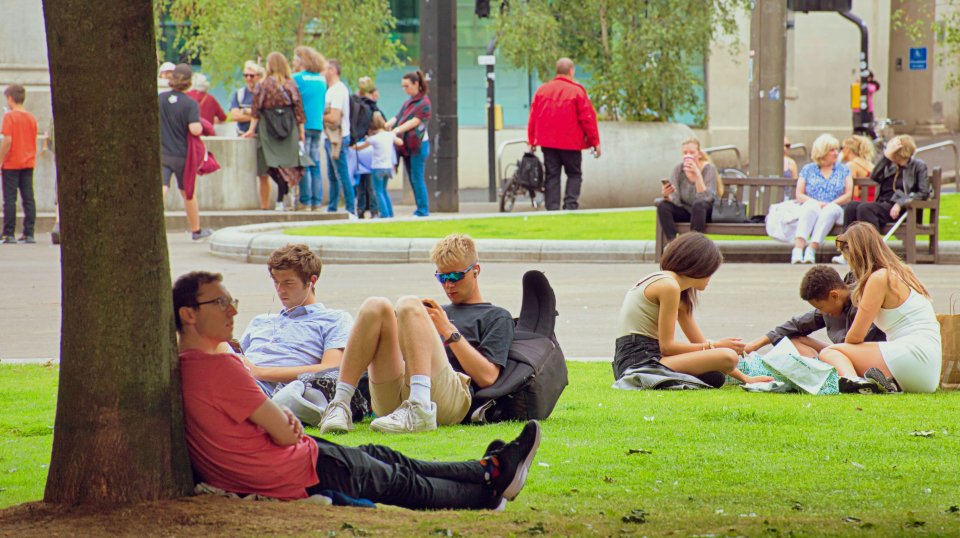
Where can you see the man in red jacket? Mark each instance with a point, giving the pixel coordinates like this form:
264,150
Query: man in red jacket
563,123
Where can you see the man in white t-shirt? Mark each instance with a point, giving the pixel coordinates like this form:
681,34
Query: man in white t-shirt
336,124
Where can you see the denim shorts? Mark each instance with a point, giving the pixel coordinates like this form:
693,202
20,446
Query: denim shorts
635,350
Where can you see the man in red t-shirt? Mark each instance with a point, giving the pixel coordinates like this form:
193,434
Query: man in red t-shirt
18,155
242,442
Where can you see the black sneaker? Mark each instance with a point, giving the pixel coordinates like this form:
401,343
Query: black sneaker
506,468
27,239
714,379
202,234
889,384
8,240
859,385
494,446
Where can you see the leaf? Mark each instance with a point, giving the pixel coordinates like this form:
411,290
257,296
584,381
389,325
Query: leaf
851,519
356,531
797,507
445,532
923,433
632,451
637,515
952,510
536,529
608,480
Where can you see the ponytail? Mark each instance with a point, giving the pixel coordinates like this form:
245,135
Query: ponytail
419,78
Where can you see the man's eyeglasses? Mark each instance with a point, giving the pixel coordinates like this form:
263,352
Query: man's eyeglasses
222,302
248,75
454,276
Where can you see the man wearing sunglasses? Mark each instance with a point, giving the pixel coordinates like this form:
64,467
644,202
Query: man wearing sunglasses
424,361
242,442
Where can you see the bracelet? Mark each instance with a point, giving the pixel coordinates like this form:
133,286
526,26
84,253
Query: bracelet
710,344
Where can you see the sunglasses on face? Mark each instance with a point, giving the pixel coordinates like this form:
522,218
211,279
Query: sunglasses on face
454,276
841,244
222,302
247,75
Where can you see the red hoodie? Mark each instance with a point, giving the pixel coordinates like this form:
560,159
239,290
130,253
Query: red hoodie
562,117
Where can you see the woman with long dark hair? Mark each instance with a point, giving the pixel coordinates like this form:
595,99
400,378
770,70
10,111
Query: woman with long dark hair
278,122
889,295
652,308
410,124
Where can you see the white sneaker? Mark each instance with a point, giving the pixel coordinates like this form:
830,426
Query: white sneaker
839,260
796,256
410,417
809,255
337,418
279,206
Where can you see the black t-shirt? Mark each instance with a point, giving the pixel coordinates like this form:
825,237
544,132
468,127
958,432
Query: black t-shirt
488,328
177,112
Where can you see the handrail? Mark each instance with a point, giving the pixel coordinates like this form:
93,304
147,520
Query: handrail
956,155
728,147
503,145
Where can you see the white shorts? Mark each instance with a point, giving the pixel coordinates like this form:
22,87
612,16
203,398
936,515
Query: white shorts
915,362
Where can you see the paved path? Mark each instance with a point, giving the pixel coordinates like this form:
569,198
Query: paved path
742,300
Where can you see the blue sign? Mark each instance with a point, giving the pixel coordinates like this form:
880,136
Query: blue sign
918,58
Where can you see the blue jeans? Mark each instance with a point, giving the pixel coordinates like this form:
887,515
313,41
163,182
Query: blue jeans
415,171
338,174
380,178
311,187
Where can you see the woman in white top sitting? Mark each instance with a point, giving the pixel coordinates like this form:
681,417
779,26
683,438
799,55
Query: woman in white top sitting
652,308
823,188
889,295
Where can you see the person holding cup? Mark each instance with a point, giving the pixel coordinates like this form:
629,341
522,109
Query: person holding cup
689,193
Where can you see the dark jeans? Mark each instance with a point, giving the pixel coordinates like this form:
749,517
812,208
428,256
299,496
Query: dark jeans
669,214
635,350
570,160
13,181
366,197
876,213
383,475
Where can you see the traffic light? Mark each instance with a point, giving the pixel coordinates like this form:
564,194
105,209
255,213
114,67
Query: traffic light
483,9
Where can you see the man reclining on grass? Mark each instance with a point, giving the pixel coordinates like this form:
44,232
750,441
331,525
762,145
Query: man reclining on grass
242,442
424,360
829,295
305,336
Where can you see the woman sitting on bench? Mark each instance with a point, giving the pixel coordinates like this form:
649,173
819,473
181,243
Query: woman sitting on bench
825,185
653,307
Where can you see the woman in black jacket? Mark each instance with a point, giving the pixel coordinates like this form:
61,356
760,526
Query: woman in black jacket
901,177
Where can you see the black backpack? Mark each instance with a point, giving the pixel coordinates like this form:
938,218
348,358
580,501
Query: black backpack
536,371
361,114
530,172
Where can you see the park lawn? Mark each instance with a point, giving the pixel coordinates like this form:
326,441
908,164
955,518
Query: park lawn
616,226
721,462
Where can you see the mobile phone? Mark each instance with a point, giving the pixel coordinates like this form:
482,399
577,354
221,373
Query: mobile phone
427,304
665,182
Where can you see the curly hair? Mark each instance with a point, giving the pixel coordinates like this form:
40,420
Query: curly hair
819,281
297,257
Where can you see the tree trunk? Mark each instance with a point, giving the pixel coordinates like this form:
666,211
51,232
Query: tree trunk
118,434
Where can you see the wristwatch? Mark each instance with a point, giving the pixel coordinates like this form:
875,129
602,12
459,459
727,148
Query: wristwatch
454,337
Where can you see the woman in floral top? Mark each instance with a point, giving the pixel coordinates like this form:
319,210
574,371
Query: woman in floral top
824,186
278,123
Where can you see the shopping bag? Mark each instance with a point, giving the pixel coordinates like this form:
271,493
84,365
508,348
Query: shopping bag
809,375
950,340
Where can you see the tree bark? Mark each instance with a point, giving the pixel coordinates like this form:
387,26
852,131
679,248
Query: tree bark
118,434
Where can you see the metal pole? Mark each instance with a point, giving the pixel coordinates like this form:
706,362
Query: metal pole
768,59
438,58
491,126
865,124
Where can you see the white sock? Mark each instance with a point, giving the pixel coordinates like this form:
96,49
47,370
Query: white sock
420,389
344,392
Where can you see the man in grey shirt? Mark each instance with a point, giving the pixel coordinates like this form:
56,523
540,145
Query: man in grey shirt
688,194
833,311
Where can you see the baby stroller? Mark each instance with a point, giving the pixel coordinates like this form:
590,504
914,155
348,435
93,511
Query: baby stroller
527,178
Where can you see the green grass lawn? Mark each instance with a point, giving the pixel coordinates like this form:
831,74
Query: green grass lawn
628,225
710,463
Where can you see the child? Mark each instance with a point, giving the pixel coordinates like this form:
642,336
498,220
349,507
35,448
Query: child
889,294
653,307
833,310
18,154
382,141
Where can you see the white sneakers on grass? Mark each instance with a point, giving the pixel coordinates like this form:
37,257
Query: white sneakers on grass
337,418
410,417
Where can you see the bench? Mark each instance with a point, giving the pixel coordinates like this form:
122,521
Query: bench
760,193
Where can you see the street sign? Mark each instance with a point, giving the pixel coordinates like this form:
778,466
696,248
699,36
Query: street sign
487,59
918,58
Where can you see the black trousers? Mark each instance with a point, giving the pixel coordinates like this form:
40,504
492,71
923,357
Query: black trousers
876,213
282,187
366,197
569,160
669,214
383,475
22,181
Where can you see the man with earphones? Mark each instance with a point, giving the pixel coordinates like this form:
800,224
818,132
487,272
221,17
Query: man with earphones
305,336
424,361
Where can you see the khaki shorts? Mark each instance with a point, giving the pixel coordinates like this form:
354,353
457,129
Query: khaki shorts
450,390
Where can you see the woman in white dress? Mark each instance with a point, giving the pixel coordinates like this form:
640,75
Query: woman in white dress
890,295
